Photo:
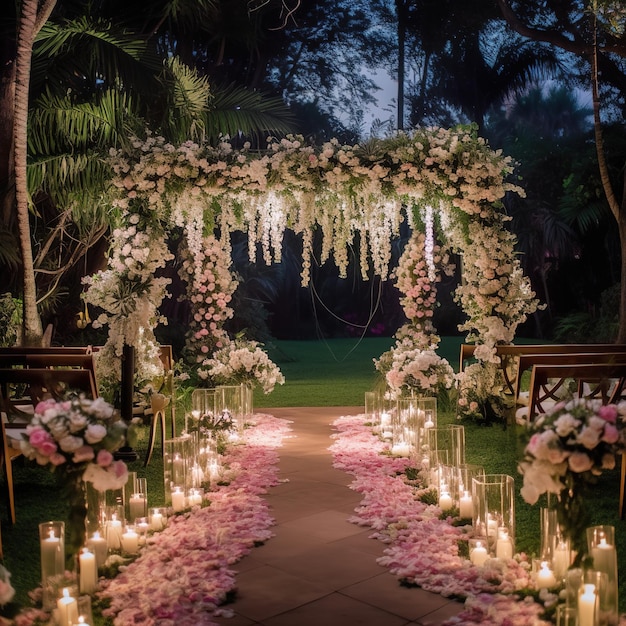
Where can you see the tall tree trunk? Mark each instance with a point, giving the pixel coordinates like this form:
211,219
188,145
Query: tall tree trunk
30,22
401,15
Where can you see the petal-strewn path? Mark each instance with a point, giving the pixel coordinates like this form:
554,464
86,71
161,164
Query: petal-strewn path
320,569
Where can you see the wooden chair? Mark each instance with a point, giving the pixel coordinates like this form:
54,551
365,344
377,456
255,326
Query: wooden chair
163,404
40,382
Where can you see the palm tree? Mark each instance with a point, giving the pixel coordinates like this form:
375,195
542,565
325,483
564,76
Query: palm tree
93,85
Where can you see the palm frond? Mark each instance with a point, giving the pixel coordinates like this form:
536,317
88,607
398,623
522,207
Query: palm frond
237,110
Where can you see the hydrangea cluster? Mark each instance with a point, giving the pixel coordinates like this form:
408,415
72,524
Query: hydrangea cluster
78,434
210,285
242,362
480,396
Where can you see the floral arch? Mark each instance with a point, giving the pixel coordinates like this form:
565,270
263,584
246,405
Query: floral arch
449,181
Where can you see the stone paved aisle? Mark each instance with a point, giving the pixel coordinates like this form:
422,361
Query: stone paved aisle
319,569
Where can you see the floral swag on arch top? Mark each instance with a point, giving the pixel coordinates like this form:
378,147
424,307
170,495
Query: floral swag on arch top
448,180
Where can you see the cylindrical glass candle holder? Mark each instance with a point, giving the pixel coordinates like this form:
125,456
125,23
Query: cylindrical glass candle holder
247,395
494,508
589,594
177,461
114,527
202,403
549,529
97,543
561,557
52,551
371,409
229,405
157,518
601,546
478,552
566,615
466,472
130,540
135,497
96,508
450,438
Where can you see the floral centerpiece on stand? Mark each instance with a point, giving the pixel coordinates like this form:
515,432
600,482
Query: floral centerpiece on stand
569,447
76,438
242,362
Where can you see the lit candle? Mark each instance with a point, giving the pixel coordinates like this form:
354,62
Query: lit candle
400,449
137,506
51,557
492,526
504,545
195,497
88,571
604,556
545,578
587,606
385,419
130,542
114,533
466,505
178,499
156,520
479,555
429,423
98,545
81,621
67,608
445,501
561,559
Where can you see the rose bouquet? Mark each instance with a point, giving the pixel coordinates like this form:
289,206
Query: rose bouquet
77,438
242,362
569,447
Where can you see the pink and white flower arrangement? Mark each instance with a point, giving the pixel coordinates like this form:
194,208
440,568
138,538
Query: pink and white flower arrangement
210,287
569,447
78,435
578,438
242,362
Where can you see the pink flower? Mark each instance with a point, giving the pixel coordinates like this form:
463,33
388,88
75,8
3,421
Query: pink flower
104,458
47,448
608,412
611,434
57,459
84,453
39,436
579,462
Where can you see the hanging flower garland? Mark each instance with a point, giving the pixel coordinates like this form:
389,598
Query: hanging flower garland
412,365
210,287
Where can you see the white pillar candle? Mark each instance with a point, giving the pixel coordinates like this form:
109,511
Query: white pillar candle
178,499
445,501
137,506
504,545
98,545
114,533
587,606
400,449
466,505
130,542
561,559
88,571
156,520
604,557
545,578
81,621
67,608
479,554
51,557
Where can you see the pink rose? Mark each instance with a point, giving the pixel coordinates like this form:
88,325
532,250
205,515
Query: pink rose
104,458
47,448
611,434
84,453
57,459
39,436
579,462
608,412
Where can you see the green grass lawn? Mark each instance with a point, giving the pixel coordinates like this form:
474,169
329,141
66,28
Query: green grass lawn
333,373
